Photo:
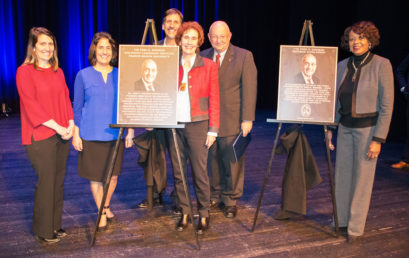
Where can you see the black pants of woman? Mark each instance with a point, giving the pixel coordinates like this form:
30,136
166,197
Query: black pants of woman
48,158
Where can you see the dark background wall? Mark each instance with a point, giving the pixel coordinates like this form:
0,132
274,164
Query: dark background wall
260,26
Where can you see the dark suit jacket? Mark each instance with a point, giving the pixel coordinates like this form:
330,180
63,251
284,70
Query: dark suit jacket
300,79
238,89
139,86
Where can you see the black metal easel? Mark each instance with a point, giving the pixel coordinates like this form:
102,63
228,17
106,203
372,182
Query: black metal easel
150,26
305,34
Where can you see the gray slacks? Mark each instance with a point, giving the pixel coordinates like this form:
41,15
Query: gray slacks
354,177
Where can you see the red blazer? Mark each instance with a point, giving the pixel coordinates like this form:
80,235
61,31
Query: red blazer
204,92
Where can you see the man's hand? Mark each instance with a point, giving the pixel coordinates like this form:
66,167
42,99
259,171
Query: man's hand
129,138
330,145
246,127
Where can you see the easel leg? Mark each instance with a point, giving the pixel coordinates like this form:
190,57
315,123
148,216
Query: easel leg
331,180
266,176
184,181
107,182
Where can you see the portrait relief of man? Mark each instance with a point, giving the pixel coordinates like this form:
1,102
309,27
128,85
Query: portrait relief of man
149,71
308,68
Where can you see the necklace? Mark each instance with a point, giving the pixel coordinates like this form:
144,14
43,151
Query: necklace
356,68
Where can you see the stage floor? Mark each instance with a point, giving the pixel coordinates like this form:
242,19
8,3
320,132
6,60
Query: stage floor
139,233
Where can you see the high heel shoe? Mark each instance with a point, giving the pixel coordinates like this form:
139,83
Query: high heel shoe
203,225
103,228
183,222
110,219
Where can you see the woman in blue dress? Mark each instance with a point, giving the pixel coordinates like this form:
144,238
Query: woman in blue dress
95,98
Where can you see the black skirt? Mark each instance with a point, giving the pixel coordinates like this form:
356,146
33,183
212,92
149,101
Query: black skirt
93,160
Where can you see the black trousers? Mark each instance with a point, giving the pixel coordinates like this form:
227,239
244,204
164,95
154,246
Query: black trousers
191,141
48,158
226,176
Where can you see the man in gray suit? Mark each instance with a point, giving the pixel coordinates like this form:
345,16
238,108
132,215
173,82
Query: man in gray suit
238,94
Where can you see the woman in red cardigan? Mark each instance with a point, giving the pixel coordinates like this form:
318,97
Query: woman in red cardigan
47,124
198,109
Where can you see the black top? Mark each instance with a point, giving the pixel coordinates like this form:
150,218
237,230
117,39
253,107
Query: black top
345,96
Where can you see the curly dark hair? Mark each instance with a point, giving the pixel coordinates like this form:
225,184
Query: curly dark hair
190,25
91,53
364,28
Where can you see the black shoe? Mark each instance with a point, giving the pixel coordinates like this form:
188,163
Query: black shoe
47,240
215,205
281,215
354,239
60,233
342,229
111,219
103,228
183,222
177,210
156,202
230,211
203,225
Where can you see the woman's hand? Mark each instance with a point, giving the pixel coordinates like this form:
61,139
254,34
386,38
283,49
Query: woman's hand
70,128
330,145
129,138
209,141
61,130
76,139
70,131
373,150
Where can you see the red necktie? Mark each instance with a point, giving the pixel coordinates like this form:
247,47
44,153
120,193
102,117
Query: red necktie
218,60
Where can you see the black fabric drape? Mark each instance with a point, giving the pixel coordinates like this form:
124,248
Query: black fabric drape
300,174
152,146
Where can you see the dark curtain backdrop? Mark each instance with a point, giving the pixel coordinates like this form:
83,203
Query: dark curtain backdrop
260,26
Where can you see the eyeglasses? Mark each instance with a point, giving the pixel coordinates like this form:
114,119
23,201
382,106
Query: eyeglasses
221,37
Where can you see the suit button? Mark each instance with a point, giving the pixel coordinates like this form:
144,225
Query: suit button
190,76
190,86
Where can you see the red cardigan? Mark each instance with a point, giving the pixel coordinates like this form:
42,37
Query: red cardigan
204,92
43,96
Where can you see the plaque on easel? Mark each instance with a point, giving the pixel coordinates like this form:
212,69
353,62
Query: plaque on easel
148,81
307,78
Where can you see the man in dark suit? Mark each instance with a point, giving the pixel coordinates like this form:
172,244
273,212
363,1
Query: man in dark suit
308,67
149,71
238,94
172,19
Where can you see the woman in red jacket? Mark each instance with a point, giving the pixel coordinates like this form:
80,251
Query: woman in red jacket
198,109
47,124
